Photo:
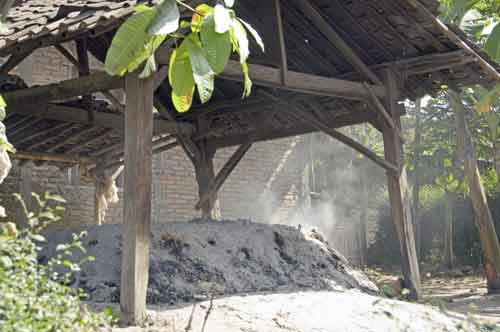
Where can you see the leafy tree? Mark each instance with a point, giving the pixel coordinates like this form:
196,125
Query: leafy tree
201,46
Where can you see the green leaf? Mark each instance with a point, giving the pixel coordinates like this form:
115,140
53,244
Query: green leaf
247,82
3,105
38,238
140,8
492,45
202,72
222,19
255,34
149,68
6,261
132,45
166,19
239,39
216,46
202,11
180,76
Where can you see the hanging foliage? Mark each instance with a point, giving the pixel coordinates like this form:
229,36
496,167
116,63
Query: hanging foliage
202,48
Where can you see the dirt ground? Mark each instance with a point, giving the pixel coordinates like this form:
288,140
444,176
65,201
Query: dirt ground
466,294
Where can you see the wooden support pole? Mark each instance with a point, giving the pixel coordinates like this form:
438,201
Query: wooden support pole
137,198
223,174
99,178
205,177
399,193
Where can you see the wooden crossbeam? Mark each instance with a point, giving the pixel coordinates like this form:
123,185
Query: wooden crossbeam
101,119
224,173
296,81
456,39
95,82
13,61
299,114
65,53
54,157
326,29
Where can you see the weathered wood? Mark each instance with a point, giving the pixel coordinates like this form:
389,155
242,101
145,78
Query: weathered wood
299,114
101,119
326,29
62,131
14,60
65,53
301,82
55,157
296,81
40,133
95,82
417,152
223,174
79,133
281,39
456,39
137,198
490,245
80,145
399,194
20,128
99,178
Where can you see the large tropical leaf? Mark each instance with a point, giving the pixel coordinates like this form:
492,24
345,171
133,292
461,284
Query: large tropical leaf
202,72
166,19
255,34
3,104
180,76
492,45
216,46
239,39
132,45
222,19
201,12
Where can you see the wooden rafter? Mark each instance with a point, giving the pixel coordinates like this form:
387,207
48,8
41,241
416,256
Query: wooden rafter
297,113
54,157
101,119
13,61
308,9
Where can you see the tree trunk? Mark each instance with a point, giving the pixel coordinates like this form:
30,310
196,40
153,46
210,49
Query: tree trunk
416,184
489,241
449,256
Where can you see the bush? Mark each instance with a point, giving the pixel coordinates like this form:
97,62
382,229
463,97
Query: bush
38,297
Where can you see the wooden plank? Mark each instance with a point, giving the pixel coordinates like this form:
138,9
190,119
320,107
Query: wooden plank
321,24
95,82
62,131
300,82
281,39
137,198
296,81
99,178
55,157
40,133
456,39
101,119
399,193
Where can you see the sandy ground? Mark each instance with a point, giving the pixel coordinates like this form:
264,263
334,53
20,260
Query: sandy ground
321,311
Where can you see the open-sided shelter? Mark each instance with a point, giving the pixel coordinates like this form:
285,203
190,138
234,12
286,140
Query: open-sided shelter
328,64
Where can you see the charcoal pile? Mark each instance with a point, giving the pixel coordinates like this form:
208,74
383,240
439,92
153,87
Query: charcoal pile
191,261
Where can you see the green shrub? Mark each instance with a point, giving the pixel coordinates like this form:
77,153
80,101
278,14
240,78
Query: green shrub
38,297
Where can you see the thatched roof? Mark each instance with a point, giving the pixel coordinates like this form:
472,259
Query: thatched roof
401,34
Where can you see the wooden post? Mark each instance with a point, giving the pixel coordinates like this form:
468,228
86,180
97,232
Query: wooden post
25,190
99,175
137,198
205,176
399,192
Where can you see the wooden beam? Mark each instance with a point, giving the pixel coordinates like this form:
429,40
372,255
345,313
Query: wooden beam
13,61
296,81
326,29
65,53
95,82
40,133
137,198
101,119
456,39
54,157
223,174
281,39
99,179
399,194
61,132
299,114
301,82
81,145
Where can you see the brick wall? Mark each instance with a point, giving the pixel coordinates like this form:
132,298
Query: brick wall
265,186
